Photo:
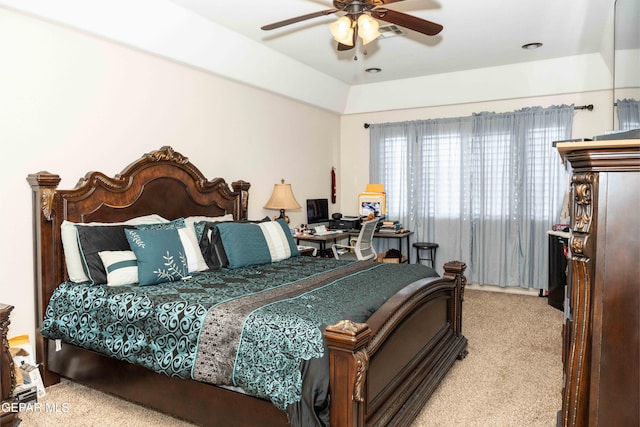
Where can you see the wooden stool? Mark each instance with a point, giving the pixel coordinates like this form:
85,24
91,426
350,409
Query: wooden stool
431,252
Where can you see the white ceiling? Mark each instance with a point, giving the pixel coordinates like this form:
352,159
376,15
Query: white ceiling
477,57
476,34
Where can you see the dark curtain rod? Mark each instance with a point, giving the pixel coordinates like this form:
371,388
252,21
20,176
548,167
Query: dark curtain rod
579,107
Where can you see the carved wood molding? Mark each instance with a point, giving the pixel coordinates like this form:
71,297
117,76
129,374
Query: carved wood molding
352,337
348,327
167,153
44,186
362,363
582,204
46,203
575,400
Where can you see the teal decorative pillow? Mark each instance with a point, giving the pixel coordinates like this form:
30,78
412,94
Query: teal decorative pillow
244,244
252,244
211,245
189,241
176,223
161,256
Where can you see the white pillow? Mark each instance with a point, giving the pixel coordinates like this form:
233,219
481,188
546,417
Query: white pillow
121,267
195,260
191,222
69,236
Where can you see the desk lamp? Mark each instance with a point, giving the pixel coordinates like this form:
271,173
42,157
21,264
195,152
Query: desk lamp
282,198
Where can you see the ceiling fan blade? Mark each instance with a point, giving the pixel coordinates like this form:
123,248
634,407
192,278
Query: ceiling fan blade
298,19
408,21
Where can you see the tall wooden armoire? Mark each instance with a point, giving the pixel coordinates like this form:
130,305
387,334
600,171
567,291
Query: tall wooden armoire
601,352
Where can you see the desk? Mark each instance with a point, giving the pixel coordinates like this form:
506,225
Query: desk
398,236
321,239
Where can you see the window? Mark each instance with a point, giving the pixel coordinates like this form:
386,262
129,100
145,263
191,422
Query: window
486,187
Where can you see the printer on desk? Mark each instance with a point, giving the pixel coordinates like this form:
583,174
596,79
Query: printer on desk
345,222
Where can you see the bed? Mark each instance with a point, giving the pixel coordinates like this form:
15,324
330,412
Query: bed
382,364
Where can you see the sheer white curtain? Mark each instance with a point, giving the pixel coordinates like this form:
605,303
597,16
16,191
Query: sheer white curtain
422,167
628,114
486,188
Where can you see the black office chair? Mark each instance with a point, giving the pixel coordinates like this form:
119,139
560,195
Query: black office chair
363,248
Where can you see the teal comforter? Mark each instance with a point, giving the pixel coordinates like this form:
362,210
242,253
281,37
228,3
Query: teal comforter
251,327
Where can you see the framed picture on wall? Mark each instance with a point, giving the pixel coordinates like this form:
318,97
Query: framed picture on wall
372,203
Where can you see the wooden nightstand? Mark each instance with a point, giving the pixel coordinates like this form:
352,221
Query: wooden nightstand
7,373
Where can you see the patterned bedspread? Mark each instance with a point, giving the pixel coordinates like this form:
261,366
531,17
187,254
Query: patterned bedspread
251,327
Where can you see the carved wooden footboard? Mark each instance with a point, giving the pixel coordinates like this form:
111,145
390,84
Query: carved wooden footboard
381,372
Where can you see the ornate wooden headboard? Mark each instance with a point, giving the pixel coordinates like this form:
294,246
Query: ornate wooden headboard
163,182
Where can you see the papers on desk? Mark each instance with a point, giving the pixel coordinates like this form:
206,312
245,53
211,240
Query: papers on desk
322,231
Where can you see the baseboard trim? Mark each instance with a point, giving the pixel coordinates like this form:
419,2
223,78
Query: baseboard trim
503,289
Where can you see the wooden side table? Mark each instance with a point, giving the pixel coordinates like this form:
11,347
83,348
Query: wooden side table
7,373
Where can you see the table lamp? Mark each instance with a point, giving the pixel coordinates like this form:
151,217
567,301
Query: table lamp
282,198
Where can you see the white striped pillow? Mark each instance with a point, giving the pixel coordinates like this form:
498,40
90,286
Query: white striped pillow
121,267
277,241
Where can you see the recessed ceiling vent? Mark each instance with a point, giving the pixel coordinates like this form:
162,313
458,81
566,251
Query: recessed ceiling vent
389,31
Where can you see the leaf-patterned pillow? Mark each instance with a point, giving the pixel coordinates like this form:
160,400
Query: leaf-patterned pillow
161,256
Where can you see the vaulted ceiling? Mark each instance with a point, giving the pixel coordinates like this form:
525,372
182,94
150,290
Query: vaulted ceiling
478,50
476,34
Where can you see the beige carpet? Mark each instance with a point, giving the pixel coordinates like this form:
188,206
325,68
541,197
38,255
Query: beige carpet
512,376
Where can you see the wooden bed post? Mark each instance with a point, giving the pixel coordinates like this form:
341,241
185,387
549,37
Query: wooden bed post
348,364
242,187
455,270
47,258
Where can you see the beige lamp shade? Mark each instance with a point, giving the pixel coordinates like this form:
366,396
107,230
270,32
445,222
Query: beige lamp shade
282,198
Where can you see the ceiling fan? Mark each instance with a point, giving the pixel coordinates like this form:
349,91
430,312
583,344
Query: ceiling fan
357,20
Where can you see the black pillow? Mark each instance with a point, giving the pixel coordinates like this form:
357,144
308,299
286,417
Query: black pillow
92,240
214,257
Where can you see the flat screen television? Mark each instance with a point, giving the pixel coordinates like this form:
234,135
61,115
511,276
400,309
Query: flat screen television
317,211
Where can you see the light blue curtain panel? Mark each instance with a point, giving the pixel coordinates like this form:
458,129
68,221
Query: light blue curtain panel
628,114
486,188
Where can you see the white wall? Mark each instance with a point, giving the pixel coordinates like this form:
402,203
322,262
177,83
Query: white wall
71,103
566,75
168,30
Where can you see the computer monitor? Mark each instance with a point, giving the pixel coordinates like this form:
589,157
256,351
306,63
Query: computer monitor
317,211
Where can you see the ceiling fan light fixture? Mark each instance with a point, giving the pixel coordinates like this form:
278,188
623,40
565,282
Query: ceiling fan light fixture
342,30
368,28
